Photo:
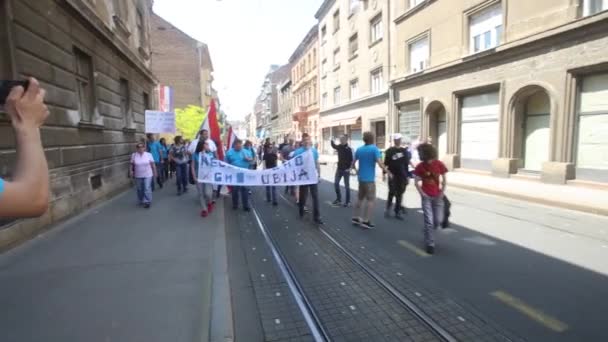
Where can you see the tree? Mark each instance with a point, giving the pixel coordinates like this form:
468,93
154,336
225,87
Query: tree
189,120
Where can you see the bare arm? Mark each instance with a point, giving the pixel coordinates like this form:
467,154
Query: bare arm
154,169
27,195
444,182
193,171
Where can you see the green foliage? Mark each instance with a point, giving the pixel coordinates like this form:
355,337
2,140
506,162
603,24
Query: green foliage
189,120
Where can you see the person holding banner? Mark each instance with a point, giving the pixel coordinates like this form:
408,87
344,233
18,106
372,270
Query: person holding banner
312,188
240,157
179,155
203,150
271,158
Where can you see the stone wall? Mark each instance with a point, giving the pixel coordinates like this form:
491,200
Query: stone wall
88,161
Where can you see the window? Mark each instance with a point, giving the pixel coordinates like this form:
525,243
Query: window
591,7
314,57
485,29
337,94
592,146
353,45
336,21
146,99
140,28
336,58
376,80
354,6
125,102
85,86
354,89
324,100
376,32
324,68
121,9
323,34
419,54
414,3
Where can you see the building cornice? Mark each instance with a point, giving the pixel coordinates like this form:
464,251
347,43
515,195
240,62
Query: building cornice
357,103
311,37
325,6
571,33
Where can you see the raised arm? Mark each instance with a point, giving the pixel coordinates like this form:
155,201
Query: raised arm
27,195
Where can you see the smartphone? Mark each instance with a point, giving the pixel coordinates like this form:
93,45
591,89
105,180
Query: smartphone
7,86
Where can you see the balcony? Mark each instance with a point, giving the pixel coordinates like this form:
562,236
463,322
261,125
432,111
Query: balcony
301,114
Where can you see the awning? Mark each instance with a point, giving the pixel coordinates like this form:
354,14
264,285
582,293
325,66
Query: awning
340,119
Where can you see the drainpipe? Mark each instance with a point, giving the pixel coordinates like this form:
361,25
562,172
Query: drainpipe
391,97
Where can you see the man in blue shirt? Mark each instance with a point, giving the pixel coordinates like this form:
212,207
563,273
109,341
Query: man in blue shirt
239,157
313,188
27,194
368,156
155,148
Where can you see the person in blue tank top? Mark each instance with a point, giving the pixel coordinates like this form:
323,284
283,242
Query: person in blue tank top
240,157
367,156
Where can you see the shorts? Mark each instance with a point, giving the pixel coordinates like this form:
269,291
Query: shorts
367,190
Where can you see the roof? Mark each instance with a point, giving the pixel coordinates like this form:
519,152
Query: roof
325,6
280,74
312,34
205,56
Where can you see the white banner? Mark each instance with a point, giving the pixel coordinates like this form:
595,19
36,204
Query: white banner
300,170
160,122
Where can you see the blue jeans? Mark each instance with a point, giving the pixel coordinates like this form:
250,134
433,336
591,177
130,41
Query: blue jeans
144,190
181,177
236,190
433,210
339,175
271,194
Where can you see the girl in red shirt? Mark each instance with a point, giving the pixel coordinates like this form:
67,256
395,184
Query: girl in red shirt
430,182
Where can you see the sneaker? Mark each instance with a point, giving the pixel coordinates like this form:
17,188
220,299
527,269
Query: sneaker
209,207
147,205
430,249
247,209
336,203
319,222
306,209
204,213
368,225
347,205
179,193
356,221
275,204
445,224
398,216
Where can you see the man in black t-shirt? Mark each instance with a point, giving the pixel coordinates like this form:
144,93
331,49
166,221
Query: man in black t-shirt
270,157
397,159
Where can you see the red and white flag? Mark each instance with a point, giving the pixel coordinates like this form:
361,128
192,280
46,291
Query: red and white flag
212,125
231,137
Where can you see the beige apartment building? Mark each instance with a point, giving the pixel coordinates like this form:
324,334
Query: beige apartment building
517,88
93,58
284,120
355,63
305,86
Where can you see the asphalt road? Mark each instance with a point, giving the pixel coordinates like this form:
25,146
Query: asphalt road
527,268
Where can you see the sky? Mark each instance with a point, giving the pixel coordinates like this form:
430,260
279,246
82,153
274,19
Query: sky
244,37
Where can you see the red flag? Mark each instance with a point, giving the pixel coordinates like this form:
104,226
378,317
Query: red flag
213,126
231,137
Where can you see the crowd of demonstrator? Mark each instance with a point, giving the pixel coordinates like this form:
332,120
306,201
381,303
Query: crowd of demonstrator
155,161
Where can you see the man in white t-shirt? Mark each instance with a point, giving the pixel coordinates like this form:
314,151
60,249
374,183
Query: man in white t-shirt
203,134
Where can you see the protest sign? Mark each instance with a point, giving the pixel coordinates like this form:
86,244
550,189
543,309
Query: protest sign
300,170
160,122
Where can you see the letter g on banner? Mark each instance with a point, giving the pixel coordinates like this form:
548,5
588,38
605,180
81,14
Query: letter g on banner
299,160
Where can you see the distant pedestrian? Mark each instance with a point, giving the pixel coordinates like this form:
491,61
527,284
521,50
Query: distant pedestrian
367,156
345,162
312,188
270,161
155,149
430,183
205,190
143,170
179,155
240,157
398,160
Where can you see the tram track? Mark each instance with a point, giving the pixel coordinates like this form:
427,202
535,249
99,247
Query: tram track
314,321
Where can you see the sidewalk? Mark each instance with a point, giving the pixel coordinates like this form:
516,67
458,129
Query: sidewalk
570,196
121,273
